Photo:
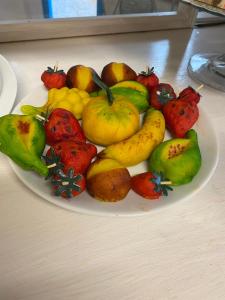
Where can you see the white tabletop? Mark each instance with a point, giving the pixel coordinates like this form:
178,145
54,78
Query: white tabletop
177,252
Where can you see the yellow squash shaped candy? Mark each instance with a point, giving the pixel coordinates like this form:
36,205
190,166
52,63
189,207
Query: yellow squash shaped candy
108,119
73,100
105,124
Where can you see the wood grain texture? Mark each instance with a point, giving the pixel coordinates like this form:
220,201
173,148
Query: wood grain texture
170,254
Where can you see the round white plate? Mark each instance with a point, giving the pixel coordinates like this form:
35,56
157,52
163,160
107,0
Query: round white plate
8,87
133,204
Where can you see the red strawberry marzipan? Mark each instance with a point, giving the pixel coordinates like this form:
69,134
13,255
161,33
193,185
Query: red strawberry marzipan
150,185
62,125
53,78
74,155
149,79
190,94
68,184
161,94
180,116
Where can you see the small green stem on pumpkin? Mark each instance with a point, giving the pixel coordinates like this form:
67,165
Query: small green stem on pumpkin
103,86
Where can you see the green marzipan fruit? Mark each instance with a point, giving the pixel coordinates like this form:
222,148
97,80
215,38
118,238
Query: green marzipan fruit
135,97
178,159
134,85
135,92
22,138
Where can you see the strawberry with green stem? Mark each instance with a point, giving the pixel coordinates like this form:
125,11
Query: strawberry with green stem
150,185
148,78
77,156
161,94
54,78
68,185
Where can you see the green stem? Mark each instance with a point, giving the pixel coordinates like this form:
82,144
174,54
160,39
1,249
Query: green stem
103,86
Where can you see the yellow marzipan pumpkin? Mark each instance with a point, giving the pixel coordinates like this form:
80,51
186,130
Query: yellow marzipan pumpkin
105,123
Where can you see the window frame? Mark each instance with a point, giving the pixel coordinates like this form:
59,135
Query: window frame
32,29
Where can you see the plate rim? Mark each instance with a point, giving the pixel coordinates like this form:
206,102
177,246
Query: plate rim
8,90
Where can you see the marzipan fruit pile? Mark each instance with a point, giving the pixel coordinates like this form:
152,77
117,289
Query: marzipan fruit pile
93,127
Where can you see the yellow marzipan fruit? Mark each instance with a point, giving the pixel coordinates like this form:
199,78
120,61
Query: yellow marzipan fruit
105,124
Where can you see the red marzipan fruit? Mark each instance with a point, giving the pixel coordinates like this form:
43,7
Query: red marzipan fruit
77,156
149,79
143,186
53,78
62,125
180,116
161,94
69,184
189,94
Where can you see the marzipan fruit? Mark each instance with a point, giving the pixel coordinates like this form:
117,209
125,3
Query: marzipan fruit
72,100
108,180
109,118
178,159
22,138
134,92
134,85
115,72
138,147
106,123
81,77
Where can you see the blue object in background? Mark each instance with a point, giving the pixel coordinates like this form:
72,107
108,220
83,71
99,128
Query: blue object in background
100,8
72,8
47,8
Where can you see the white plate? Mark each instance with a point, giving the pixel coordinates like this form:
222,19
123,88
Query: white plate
133,204
8,87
